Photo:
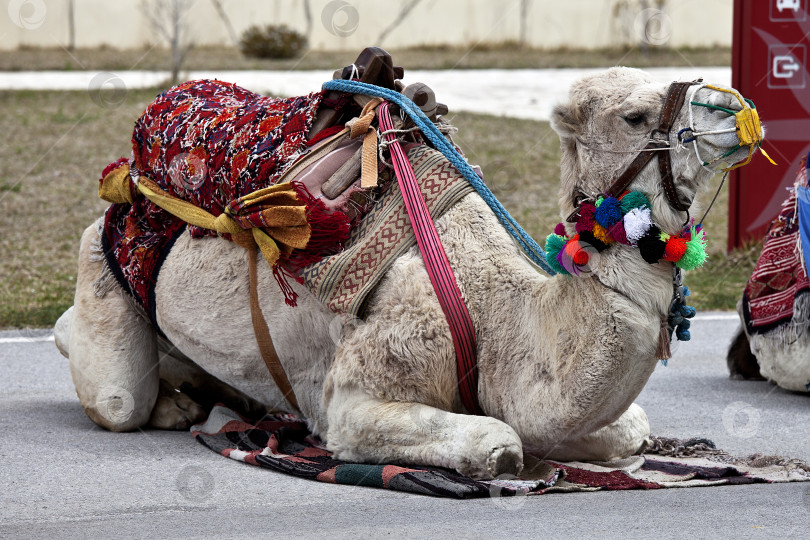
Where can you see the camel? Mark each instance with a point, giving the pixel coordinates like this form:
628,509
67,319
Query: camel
773,342
561,359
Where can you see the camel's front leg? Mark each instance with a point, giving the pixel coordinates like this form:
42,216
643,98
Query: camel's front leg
620,439
366,429
112,349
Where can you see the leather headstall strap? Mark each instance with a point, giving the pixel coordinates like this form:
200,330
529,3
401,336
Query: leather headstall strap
268,351
672,105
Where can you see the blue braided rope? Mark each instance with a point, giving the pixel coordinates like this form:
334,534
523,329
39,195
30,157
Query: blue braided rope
526,242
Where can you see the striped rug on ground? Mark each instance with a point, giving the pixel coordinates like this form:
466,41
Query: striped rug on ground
284,444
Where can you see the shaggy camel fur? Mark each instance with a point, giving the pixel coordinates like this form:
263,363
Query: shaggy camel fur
560,359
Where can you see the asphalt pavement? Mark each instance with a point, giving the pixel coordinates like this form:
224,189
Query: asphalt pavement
63,476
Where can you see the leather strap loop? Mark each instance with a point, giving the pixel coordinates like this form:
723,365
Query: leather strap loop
263,338
675,98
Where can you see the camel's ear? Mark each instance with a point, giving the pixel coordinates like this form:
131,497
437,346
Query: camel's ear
566,120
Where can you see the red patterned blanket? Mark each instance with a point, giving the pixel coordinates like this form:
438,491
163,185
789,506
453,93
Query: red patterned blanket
209,143
780,273
284,444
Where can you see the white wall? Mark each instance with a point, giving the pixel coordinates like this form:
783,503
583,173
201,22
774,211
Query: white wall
354,24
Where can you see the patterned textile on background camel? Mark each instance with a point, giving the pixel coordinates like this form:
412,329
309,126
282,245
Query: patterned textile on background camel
560,359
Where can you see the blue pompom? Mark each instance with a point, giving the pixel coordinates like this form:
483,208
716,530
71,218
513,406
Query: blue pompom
688,311
609,212
683,335
686,291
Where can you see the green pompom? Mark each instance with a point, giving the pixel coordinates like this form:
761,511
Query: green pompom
634,199
695,255
554,244
599,201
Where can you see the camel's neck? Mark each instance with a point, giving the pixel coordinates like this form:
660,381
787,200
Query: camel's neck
578,339
621,269
586,344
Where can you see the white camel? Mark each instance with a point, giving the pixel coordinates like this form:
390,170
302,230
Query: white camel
780,351
560,359
781,355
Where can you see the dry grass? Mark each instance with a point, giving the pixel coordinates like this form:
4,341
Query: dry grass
506,56
57,143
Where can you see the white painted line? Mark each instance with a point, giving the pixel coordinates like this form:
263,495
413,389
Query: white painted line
22,339
717,317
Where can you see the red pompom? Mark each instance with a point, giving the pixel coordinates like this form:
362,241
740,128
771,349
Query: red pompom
559,230
586,220
675,248
574,252
618,233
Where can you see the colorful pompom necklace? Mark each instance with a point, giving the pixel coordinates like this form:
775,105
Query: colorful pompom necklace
626,220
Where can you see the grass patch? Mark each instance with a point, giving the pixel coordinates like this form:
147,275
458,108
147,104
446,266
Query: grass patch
720,283
60,141
504,56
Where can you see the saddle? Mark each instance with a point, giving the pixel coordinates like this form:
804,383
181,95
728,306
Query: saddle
290,178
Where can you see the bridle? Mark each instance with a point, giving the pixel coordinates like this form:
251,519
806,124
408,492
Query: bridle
656,147
747,126
658,143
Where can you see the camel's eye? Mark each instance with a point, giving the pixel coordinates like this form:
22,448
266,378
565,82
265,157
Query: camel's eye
635,120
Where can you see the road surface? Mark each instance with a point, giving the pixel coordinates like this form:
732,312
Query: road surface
64,476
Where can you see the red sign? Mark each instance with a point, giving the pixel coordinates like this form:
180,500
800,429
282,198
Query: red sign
769,66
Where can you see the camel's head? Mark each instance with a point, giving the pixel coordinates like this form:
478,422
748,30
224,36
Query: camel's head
611,116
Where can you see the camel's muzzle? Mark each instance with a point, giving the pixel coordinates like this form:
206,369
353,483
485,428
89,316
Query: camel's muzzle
747,128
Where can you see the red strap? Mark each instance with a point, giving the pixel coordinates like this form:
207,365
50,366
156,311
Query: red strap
438,267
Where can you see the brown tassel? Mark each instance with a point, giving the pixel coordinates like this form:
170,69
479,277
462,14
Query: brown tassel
662,352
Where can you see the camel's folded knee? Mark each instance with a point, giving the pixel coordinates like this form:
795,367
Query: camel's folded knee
476,446
626,436
61,332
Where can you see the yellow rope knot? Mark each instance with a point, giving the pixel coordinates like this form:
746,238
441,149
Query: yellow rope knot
749,130
117,187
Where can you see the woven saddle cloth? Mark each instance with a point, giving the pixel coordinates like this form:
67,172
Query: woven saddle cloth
344,281
208,143
780,274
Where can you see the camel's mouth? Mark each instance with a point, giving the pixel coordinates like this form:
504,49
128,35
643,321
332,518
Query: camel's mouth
729,143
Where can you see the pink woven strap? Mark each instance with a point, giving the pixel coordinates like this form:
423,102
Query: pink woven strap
438,268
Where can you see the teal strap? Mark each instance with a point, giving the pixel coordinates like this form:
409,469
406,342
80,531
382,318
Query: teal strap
526,242
716,107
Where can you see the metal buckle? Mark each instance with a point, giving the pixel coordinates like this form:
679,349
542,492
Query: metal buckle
579,198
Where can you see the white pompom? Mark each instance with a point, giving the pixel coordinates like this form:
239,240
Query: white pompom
636,224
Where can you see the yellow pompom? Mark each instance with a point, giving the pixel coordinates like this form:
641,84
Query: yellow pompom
602,235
